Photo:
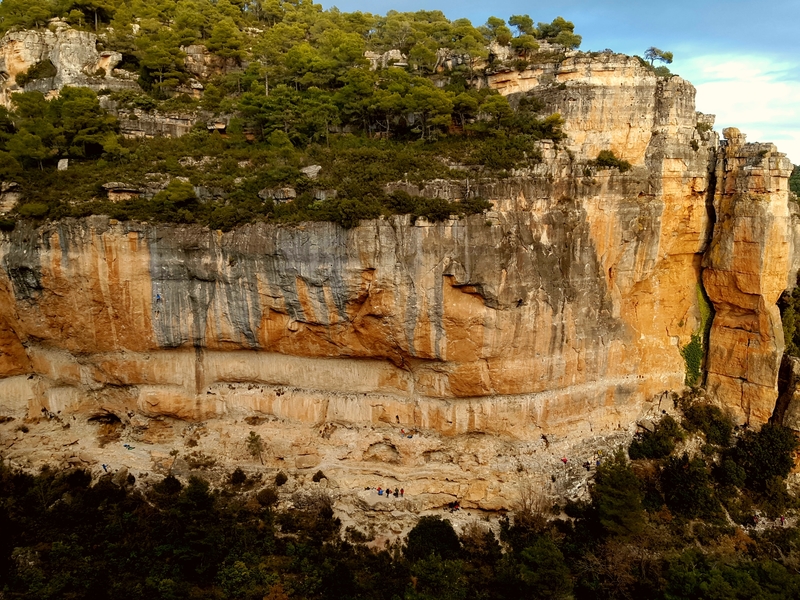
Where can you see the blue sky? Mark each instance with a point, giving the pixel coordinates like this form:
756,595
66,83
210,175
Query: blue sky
743,56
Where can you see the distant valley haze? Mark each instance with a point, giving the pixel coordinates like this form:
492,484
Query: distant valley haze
742,56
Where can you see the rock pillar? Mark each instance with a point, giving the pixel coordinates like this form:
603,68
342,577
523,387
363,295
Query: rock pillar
745,273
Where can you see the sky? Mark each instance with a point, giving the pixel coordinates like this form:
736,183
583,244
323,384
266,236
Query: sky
742,56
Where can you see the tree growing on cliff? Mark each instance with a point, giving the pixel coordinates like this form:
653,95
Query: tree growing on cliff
765,454
432,535
653,54
559,31
617,497
255,446
523,24
25,146
101,10
497,30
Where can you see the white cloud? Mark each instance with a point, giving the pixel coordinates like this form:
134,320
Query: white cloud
758,95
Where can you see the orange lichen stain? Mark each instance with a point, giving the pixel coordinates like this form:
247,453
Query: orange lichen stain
463,322
470,380
305,300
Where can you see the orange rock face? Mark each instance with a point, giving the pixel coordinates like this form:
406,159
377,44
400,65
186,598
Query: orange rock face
562,311
746,270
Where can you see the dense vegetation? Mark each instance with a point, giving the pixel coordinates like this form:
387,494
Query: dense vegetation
670,524
297,90
789,302
789,305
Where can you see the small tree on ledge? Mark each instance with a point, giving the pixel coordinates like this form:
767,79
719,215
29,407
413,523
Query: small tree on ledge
653,54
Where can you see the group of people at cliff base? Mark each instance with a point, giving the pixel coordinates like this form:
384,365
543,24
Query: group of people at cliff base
398,492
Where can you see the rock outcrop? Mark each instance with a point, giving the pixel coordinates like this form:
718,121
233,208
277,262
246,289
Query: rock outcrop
499,342
73,54
200,62
746,270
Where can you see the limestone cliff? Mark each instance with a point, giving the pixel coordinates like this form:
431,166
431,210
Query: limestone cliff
73,54
545,326
746,270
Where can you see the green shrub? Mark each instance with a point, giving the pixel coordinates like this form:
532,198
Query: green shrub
715,424
687,488
794,180
617,497
662,71
318,476
238,477
281,478
541,571
789,305
131,99
730,474
765,454
33,210
608,160
169,486
694,352
9,167
267,497
432,535
658,443
776,498
41,70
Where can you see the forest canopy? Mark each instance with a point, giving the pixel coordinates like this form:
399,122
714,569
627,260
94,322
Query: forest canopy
295,86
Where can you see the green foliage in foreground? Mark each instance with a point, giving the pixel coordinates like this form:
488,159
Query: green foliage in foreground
712,421
658,443
654,529
41,70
